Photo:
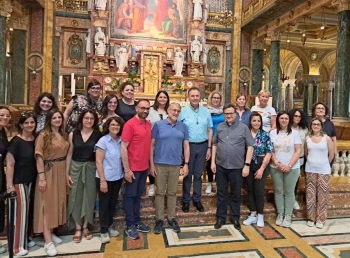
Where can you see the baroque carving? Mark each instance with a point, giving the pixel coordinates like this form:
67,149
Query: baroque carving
75,49
214,60
308,5
258,44
6,8
291,14
342,5
19,23
275,35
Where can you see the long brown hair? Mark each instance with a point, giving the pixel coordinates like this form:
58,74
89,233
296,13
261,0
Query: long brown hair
47,133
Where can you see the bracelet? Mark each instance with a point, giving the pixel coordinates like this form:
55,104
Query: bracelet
103,181
9,187
41,173
209,147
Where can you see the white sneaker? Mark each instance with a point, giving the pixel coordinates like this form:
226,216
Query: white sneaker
113,232
260,223
319,225
50,249
287,221
56,239
151,191
310,223
2,249
31,244
296,205
208,190
97,212
105,238
279,219
22,253
250,220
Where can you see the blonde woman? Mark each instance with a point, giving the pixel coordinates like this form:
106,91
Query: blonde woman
267,112
243,114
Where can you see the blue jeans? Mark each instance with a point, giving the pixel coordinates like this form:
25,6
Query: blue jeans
132,197
198,154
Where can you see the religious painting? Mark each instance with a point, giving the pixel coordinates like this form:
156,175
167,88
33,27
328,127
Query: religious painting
80,83
159,20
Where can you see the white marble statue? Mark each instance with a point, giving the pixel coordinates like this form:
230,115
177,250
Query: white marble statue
121,57
206,11
196,49
88,42
100,42
205,54
178,61
101,5
197,10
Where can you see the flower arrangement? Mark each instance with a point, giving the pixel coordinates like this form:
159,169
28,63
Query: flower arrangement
166,82
116,83
132,77
179,86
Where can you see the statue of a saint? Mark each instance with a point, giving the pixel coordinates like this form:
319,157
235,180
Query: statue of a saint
196,49
100,42
197,10
88,42
206,11
121,57
101,5
178,61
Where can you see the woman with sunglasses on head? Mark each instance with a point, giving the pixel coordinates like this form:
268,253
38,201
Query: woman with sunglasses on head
45,102
157,112
258,173
5,117
299,123
318,151
20,177
126,105
91,100
320,110
51,149
243,114
109,109
285,167
267,112
81,170
215,107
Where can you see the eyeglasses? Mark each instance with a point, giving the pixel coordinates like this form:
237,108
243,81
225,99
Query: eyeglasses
144,108
315,124
89,118
229,114
5,116
95,88
320,108
297,116
161,116
176,110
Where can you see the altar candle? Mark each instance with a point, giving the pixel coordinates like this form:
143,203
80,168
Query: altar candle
72,85
60,80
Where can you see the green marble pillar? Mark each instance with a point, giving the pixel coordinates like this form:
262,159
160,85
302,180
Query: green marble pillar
257,67
342,75
275,72
2,59
228,77
315,92
306,102
18,66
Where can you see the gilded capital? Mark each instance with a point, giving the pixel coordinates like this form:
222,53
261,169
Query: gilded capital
6,8
258,44
342,5
274,35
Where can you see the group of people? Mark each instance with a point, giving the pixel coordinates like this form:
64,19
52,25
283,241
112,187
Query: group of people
96,145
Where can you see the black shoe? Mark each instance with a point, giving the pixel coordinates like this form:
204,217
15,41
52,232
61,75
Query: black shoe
158,227
173,224
219,224
186,207
199,206
236,224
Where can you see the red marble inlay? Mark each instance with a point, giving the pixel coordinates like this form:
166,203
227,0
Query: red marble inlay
246,3
34,90
36,35
135,244
268,232
245,48
290,252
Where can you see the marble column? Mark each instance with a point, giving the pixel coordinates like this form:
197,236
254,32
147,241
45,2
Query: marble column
282,102
5,10
275,69
257,65
55,62
228,77
342,76
290,96
315,92
306,102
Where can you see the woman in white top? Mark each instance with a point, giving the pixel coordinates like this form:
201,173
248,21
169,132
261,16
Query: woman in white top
285,167
267,113
157,112
318,153
300,124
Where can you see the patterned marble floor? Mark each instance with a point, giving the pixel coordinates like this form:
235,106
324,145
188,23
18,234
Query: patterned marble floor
206,242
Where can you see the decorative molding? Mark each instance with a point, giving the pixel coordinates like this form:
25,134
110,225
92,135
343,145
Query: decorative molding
342,5
228,45
258,44
6,8
19,23
58,31
274,35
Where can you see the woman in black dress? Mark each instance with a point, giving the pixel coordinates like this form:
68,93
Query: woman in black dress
126,105
5,117
20,177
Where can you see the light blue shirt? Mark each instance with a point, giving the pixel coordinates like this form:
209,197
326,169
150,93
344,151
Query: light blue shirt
197,121
112,163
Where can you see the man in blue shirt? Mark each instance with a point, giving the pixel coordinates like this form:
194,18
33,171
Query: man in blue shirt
169,136
199,124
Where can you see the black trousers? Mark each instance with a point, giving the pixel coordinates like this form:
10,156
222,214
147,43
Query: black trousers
256,187
107,202
210,173
223,178
2,203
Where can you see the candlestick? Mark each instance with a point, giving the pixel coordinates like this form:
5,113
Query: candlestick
60,80
72,85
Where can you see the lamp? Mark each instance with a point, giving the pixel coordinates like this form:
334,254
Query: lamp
283,76
225,18
288,38
323,26
303,35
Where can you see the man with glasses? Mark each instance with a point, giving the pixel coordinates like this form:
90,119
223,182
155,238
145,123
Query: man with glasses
135,151
169,139
231,156
199,124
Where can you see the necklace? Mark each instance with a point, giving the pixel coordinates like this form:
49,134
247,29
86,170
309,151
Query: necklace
196,116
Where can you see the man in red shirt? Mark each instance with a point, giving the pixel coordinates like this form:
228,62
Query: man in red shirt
135,150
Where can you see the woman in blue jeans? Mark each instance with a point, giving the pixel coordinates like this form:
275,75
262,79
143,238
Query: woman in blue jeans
285,167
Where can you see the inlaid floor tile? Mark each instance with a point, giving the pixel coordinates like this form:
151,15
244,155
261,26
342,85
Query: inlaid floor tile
230,254
341,250
129,244
290,252
268,232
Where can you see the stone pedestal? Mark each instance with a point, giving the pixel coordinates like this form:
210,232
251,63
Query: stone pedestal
274,72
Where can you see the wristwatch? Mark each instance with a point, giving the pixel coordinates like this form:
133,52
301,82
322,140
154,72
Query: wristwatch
186,163
247,164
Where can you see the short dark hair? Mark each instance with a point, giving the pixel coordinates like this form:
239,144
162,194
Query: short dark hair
253,114
278,126
23,118
192,89
303,121
229,105
313,109
142,100
117,119
123,86
37,109
104,110
5,107
81,117
156,103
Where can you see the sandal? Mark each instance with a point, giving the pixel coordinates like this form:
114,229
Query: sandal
77,239
87,234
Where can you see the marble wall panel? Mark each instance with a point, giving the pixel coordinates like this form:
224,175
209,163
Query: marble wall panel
18,66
